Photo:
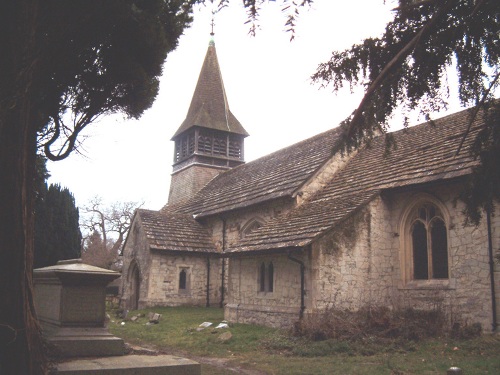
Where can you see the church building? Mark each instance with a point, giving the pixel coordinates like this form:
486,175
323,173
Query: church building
302,229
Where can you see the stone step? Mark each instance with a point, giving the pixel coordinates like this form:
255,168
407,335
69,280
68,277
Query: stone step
130,365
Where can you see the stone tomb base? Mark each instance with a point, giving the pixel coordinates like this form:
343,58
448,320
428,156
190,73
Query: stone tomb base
131,364
85,342
70,302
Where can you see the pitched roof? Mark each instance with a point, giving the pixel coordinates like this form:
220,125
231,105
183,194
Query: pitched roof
277,175
176,232
424,153
209,107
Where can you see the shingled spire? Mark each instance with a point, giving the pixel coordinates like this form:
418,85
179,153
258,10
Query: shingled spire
210,139
209,107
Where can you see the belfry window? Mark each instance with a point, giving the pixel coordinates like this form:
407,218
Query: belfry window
235,147
429,243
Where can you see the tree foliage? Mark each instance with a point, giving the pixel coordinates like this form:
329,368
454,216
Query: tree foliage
289,8
407,68
64,64
57,230
99,58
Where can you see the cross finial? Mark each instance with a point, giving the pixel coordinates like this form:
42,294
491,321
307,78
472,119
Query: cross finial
212,23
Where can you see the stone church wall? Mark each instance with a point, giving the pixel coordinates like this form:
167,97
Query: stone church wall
243,301
362,262
467,297
345,263
159,275
279,308
136,256
187,182
164,286
237,221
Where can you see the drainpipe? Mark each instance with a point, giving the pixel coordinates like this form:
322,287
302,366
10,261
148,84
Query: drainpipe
492,271
208,281
302,284
223,262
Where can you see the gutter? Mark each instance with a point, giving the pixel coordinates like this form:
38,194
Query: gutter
492,273
208,281
302,284
223,272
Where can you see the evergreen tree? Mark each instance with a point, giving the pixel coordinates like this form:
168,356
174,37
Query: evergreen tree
406,68
57,232
64,64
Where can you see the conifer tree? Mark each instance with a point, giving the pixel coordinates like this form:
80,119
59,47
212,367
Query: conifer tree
57,231
63,65
406,69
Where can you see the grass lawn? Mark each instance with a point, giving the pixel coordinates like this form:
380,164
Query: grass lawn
272,351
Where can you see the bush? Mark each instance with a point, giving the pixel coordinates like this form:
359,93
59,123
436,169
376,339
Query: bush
372,322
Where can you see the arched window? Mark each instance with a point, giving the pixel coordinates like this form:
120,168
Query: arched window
251,226
184,280
428,242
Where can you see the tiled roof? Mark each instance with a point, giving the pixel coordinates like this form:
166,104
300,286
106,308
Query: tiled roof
424,153
209,107
176,232
273,176
300,226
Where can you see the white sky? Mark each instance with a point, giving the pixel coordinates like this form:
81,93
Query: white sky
267,84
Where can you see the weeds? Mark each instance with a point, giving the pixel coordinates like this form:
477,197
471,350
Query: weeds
273,351
382,323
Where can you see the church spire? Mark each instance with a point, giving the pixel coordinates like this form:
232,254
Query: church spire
209,106
210,140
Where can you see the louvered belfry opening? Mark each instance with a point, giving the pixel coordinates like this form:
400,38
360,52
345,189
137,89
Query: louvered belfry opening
211,147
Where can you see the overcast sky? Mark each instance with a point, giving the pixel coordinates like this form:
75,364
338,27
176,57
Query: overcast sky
267,84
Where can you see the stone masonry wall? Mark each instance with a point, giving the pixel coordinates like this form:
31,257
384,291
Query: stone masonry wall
364,262
324,175
135,252
247,304
243,302
187,182
159,275
164,280
236,221
342,265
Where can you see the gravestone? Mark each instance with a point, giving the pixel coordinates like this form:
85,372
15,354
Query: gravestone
70,304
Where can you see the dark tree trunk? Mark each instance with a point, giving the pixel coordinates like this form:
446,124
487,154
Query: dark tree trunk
21,349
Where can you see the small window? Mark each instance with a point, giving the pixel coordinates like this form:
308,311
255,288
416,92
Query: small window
182,279
184,282
262,277
266,277
429,243
270,277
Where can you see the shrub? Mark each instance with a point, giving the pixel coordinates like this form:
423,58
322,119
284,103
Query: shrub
371,321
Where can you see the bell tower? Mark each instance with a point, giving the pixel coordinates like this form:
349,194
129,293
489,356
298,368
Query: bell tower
210,140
